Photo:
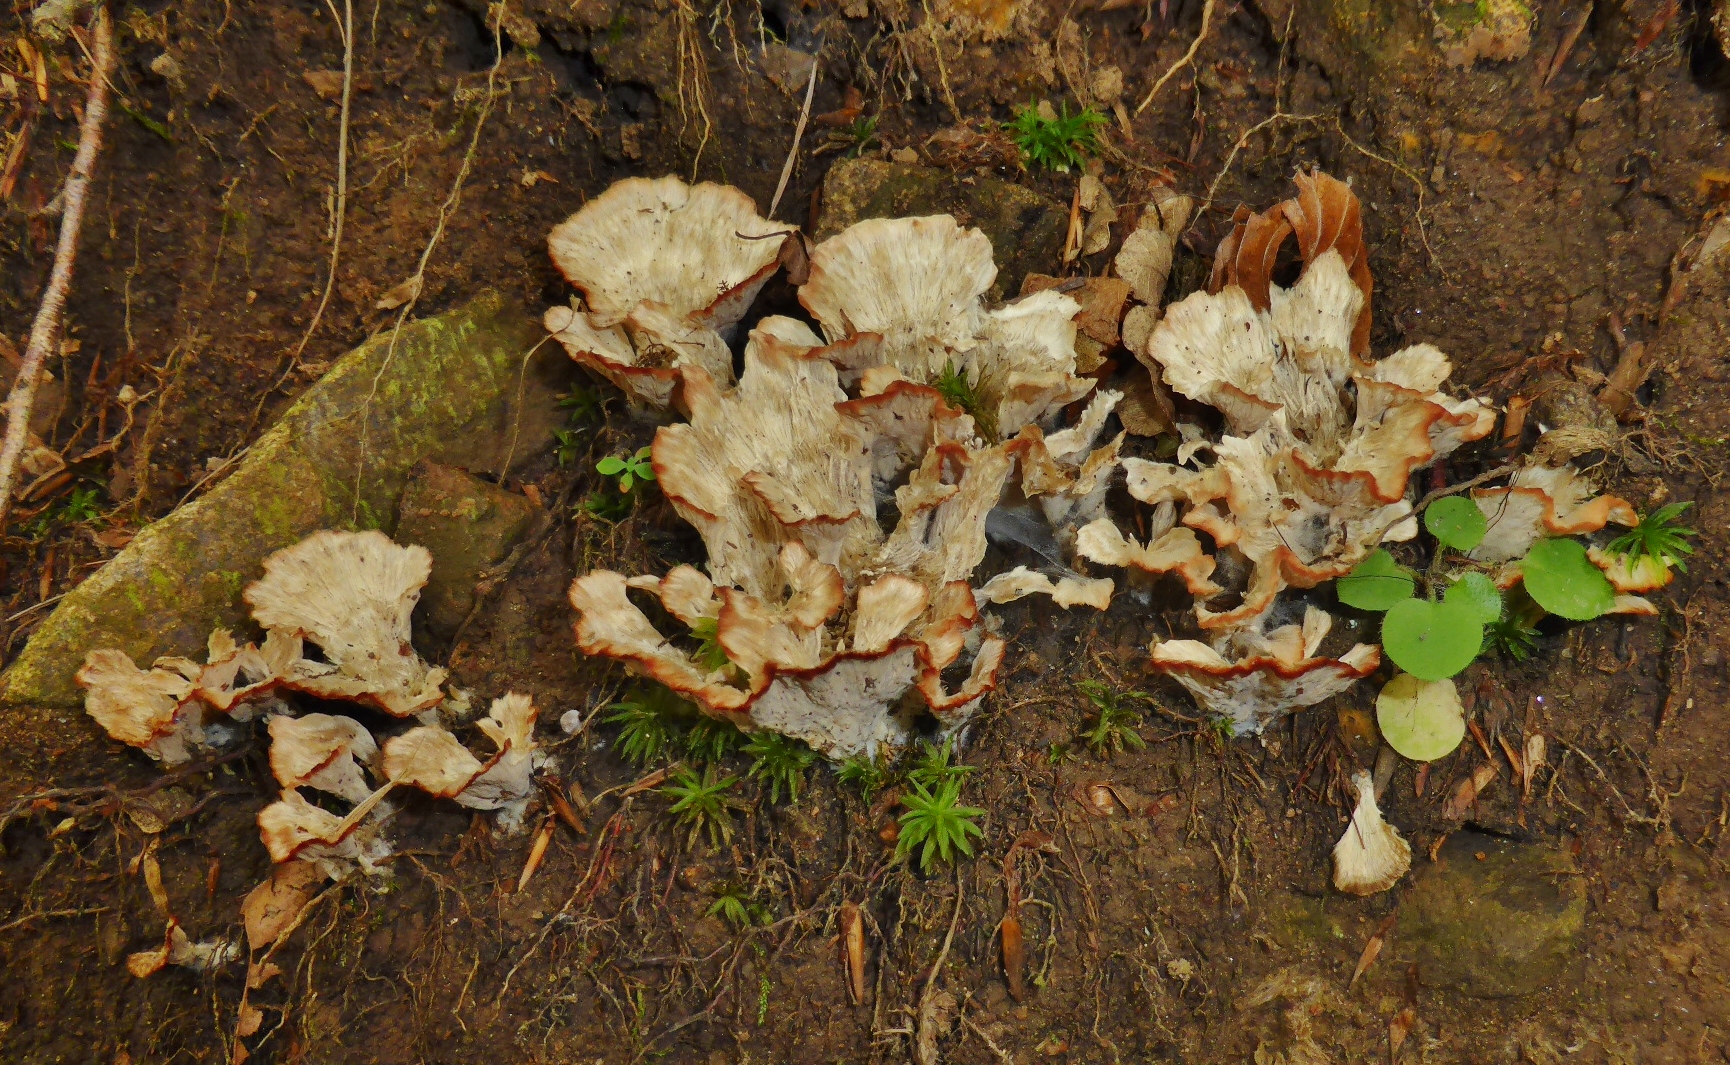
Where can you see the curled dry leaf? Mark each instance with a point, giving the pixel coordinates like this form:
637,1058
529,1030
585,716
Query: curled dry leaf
273,907
1465,796
853,950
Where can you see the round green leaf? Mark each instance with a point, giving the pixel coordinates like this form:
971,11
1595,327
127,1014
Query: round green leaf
1561,579
1478,592
1421,719
1432,641
1377,583
1456,522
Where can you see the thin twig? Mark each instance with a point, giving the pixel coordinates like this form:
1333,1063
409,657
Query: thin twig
341,206
27,918
1206,24
45,333
798,133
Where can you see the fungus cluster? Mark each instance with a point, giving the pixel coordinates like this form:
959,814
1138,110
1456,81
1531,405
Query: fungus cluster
842,484
336,609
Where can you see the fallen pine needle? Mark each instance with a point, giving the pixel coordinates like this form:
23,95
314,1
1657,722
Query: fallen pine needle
537,853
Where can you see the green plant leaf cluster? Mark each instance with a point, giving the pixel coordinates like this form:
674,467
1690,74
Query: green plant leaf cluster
935,769
1456,522
709,740
1113,728
1377,583
710,654
780,762
1657,535
961,393
648,723
865,774
702,804
1057,143
738,907
935,825
628,469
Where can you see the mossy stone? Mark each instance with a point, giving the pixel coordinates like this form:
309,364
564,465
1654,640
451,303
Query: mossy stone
453,388
1493,917
468,525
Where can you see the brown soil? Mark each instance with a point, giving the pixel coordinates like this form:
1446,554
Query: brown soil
1508,220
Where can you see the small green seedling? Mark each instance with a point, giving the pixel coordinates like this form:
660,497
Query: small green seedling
862,132
934,769
1456,522
1377,583
735,905
607,504
1657,536
1421,719
935,825
1057,754
648,725
709,740
865,774
1510,637
710,654
1114,725
960,392
628,470
702,804
1058,142
780,762
569,444
1561,578
582,406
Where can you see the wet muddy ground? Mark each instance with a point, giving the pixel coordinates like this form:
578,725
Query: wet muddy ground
1512,208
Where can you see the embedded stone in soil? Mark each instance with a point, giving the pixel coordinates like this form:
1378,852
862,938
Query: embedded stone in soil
1026,229
453,388
1494,918
468,525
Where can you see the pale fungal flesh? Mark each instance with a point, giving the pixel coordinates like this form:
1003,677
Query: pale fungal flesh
665,269
144,709
1542,501
352,595
1312,472
292,827
322,751
432,759
1371,856
1252,679
917,286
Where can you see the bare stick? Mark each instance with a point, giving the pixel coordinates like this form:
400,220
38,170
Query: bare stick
1206,24
45,334
798,135
340,208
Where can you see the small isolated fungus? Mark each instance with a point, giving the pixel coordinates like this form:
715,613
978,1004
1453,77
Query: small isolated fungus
322,751
350,594
666,269
178,948
1371,856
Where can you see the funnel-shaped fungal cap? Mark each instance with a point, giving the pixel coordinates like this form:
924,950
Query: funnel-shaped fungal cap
144,709
322,751
1268,674
352,595
688,248
1542,501
1371,856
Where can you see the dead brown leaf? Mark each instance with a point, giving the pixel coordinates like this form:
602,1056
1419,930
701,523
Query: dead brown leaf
1466,795
249,1020
853,950
1372,950
272,907
399,294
